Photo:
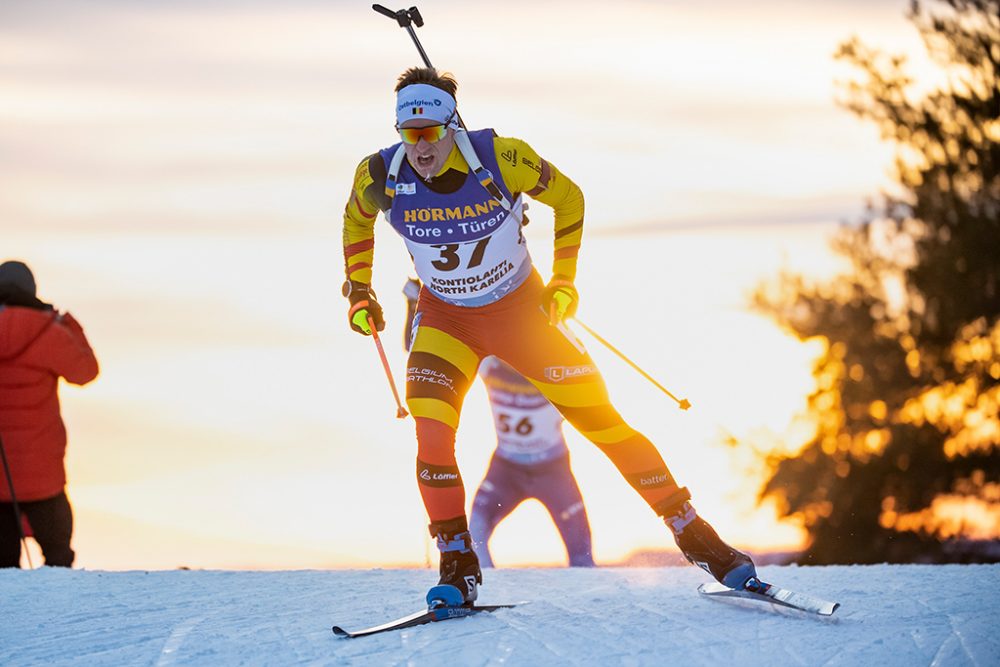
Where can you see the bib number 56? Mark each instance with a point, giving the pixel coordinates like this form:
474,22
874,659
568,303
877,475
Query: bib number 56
522,427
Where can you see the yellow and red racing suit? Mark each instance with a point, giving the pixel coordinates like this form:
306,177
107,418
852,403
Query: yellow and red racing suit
481,297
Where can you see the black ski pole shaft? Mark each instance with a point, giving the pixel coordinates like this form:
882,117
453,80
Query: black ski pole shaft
420,49
683,404
13,502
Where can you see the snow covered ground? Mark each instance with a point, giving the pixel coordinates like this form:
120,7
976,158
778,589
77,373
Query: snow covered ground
890,615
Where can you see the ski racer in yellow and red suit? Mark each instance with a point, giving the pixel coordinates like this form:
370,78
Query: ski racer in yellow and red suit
456,199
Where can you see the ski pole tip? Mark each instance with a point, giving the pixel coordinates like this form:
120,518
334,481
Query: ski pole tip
401,413
684,404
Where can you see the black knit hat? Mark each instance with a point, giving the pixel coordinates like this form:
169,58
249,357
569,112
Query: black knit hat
17,274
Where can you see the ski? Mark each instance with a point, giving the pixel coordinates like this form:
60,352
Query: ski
420,618
444,603
772,594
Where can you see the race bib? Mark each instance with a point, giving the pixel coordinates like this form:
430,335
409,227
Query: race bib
527,433
479,270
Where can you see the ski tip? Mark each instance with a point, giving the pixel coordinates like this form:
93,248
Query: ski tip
340,632
712,587
496,607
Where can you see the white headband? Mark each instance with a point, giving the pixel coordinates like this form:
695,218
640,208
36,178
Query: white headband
420,100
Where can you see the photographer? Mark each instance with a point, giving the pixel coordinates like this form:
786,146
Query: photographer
38,345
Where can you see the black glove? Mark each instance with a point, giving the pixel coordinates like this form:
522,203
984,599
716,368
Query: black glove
363,306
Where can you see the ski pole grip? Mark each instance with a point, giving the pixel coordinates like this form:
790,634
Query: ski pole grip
385,11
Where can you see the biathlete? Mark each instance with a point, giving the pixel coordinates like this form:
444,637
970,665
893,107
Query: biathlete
531,459
456,199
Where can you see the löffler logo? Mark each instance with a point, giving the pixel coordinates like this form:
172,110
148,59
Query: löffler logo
428,476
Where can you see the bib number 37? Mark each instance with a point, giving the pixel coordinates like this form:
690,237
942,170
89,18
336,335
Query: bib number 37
450,259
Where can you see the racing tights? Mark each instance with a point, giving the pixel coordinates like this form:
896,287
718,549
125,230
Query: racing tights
448,345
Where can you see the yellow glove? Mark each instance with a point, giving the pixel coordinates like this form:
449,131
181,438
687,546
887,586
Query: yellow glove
560,299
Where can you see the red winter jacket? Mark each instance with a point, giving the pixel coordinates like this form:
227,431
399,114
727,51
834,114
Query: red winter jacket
37,347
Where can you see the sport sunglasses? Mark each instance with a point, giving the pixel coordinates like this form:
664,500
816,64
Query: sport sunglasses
430,133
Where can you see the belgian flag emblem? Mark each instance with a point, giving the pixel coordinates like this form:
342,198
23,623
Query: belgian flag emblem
418,111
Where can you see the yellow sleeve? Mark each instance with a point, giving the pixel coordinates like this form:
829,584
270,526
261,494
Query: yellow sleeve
520,166
524,171
359,225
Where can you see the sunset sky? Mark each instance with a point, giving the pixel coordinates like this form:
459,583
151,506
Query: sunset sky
175,173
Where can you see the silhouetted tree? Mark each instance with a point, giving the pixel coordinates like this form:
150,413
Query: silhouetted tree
907,438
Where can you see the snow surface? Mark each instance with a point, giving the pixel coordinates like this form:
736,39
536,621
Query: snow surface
890,615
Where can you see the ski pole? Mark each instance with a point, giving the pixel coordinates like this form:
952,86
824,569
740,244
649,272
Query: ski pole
401,412
13,501
683,404
406,18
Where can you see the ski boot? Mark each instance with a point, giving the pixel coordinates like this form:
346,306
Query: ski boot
459,565
702,546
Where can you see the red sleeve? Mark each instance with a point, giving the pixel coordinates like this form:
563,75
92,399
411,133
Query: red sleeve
64,350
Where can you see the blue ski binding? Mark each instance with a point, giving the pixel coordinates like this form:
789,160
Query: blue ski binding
444,596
